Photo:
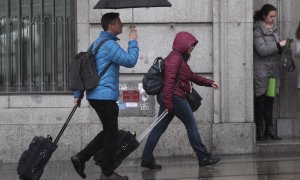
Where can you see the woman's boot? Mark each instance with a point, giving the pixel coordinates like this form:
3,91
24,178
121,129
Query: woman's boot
270,133
259,117
269,119
259,133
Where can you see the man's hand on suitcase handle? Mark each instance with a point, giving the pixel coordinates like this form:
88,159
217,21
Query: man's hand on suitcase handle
77,102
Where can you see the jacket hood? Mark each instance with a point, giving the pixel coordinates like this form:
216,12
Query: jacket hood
183,42
261,25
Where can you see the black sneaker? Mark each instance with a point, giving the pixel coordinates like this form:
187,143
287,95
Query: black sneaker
208,161
150,165
79,166
114,176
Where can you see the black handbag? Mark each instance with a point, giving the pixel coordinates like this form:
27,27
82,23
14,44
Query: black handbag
194,99
287,61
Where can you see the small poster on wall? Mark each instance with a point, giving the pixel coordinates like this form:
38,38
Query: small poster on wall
134,101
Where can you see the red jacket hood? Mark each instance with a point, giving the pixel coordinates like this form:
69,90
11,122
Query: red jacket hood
183,42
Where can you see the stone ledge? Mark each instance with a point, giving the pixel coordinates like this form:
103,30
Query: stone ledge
273,147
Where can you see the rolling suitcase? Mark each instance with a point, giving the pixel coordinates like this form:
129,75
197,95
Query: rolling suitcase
33,160
127,143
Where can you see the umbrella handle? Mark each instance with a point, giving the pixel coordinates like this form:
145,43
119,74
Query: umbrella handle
132,16
132,27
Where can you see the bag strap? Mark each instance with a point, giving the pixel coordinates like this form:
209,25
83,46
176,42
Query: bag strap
106,68
96,49
178,83
181,87
104,71
98,46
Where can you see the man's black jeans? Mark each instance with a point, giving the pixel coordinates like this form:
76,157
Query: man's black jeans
107,112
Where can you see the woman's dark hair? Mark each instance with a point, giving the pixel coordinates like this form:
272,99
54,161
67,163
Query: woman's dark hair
298,32
186,56
264,11
108,18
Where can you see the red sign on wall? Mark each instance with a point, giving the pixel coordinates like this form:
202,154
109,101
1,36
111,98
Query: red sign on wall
131,96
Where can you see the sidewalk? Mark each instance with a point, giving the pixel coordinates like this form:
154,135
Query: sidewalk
283,166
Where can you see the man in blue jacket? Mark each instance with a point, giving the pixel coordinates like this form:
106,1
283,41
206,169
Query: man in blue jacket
103,97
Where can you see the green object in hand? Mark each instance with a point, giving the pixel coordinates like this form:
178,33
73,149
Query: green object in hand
271,89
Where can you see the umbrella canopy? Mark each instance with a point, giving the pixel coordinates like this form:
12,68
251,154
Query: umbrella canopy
121,4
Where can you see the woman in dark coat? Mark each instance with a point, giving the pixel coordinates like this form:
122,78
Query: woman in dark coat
173,100
297,52
267,49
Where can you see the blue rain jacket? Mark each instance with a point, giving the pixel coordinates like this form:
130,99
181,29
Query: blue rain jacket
110,51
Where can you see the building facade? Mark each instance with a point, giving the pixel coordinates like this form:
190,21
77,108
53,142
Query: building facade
39,37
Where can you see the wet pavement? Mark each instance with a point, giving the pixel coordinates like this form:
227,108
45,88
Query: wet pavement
283,166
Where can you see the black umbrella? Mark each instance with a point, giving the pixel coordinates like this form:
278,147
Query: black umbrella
122,4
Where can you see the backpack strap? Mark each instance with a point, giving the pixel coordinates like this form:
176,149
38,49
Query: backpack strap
106,68
104,71
99,45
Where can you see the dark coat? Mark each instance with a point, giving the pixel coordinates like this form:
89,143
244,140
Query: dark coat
266,57
297,55
297,50
175,65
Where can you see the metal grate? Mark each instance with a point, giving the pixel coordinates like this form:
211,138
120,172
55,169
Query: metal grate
37,40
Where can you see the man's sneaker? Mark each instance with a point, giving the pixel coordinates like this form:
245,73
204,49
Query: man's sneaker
114,176
150,165
208,161
78,166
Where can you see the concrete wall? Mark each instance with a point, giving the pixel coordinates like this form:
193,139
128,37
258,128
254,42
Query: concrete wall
224,53
233,128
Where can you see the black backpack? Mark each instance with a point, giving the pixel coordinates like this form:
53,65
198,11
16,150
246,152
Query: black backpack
153,80
83,74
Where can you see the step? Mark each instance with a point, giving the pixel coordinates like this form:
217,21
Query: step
275,146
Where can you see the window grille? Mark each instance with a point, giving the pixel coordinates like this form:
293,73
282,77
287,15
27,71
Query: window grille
37,41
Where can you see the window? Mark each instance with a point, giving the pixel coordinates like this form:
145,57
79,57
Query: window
37,41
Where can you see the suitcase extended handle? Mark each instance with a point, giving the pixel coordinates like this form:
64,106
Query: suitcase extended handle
155,122
65,125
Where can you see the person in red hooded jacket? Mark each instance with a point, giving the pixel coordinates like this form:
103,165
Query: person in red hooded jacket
173,99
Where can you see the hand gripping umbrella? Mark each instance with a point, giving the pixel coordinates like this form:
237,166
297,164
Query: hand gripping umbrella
122,4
